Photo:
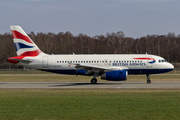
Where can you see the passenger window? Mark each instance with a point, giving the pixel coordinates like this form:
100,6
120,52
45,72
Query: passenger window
97,61
102,61
94,61
62,61
57,61
89,61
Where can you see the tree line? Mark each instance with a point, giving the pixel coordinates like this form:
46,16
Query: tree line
166,46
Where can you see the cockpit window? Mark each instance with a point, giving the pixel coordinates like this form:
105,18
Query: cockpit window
161,61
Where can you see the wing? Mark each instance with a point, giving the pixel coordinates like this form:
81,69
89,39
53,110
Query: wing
96,69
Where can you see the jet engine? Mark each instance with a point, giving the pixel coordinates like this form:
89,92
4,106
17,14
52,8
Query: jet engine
118,75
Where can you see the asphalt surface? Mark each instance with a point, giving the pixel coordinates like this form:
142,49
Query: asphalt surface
84,85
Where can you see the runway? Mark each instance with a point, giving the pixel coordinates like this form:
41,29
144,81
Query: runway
84,85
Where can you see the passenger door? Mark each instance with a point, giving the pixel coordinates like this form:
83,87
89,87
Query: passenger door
45,62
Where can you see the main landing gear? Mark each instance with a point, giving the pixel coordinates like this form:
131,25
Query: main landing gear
93,81
148,79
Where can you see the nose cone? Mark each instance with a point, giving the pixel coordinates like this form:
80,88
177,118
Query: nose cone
170,67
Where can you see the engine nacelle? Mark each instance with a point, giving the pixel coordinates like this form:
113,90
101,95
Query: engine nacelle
118,75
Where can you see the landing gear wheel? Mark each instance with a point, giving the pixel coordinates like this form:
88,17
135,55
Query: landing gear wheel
148,81
93,81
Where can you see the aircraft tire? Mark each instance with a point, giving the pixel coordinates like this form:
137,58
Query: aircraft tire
148,81
93,81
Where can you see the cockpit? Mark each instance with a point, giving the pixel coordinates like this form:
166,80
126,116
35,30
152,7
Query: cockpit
162,61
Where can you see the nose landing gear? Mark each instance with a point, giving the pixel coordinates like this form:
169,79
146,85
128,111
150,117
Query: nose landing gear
148,79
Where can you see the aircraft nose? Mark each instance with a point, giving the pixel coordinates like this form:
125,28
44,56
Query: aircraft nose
170,66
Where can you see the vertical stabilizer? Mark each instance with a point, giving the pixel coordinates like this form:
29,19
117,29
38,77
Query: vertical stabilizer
23,43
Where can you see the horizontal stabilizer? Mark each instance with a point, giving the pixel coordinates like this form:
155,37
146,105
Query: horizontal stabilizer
18,59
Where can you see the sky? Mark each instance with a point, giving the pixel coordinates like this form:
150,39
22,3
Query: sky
135,18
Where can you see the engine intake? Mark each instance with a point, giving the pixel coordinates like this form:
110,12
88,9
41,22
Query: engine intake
118,75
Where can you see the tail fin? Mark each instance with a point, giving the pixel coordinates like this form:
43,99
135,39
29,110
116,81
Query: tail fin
23,43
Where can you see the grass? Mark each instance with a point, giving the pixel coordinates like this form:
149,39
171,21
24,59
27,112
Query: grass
55,104
24,72
89,104
69,78
39,76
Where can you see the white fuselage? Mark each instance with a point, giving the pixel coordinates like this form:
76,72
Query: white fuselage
134,64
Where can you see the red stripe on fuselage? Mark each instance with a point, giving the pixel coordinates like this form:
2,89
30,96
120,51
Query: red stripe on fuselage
18,35
144,59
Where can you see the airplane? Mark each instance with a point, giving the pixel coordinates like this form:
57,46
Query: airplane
111,67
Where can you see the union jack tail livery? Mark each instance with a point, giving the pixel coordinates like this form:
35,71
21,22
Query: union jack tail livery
23,43
26,49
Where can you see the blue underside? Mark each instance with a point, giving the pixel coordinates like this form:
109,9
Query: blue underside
131,71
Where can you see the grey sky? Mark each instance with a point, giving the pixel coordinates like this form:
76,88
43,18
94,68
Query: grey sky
136,18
